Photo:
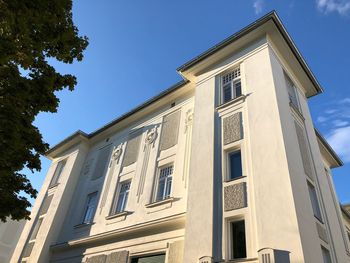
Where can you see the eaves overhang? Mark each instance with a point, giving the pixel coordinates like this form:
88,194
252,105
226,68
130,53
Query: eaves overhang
272,16
335,159
82,136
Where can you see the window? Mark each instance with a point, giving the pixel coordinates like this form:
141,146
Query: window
238,240
231,85
164,183
292,92
90,208
348,232
57,173
122,197
149,259
326,255
314,201
235,165
36,229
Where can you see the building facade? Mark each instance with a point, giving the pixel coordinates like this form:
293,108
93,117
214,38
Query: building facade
10,232
224,166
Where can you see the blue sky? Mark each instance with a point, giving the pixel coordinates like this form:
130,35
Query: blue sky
135,47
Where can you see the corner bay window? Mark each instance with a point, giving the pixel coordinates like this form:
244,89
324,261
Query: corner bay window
122,197
231,85
164,183
238,240
90,208
234,165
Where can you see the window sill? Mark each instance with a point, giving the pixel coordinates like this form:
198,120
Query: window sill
82,225
243,260
124,213
164,201
296,111
53,186
234,179
233,101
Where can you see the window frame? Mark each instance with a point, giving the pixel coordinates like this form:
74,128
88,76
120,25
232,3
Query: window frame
164,196
228,164
314,199
231,240
58,172
232,83
118,196
290,85
86,207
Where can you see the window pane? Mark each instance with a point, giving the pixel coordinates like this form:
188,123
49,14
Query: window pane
292,92
123,197
235,163
227,93
314,201
238,240
165,182
238,89
90,208
36,229
58,172
326,255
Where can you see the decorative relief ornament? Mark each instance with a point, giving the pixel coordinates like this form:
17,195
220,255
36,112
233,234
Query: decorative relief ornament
117,152
87,166
189,119
151,136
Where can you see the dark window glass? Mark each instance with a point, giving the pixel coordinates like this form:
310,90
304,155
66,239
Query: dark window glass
238,89
149,259
238,240
235,165
326,255
227,93
314,201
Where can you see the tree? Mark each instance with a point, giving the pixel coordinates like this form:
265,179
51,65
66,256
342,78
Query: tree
31,32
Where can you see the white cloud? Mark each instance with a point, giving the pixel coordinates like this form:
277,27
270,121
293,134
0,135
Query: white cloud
339,139
328,6
321,119
330,111
258,6
340,123
344,101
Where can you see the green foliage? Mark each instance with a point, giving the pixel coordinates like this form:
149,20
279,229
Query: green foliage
31,31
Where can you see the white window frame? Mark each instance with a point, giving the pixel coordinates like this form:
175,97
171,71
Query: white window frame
319,216
58,172
90,208
291,87
166,191
121,195
230,237
228,163
233,80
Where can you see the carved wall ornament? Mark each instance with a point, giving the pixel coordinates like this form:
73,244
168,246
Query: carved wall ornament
189,119
117,152
151,136
87,166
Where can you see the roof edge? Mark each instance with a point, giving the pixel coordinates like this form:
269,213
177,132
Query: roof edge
275,18
329,148
148,102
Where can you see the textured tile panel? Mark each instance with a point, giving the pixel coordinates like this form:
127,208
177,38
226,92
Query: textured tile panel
45,205
132,149
97,259
170,130
101,162
118,257
304,150
235,196
232,128
322,233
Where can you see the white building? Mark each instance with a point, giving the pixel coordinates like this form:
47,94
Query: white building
10,232
224,166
